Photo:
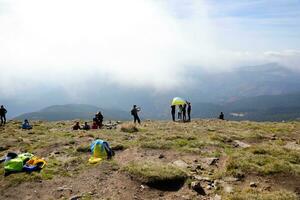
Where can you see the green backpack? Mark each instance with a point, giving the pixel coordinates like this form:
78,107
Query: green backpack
16,164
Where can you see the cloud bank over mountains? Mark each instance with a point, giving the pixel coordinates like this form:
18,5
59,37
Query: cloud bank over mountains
135,43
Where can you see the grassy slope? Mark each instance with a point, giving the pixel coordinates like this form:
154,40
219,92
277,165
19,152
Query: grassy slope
266,159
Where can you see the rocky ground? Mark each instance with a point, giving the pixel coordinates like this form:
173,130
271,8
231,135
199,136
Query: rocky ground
204,159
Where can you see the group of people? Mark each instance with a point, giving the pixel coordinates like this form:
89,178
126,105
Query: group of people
97,123
184,112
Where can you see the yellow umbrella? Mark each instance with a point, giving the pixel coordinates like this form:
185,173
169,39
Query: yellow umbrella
178,101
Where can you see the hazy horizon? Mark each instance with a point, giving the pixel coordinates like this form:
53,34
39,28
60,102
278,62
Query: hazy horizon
69,51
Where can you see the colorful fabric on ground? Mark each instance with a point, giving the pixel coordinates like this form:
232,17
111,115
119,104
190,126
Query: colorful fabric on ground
100,150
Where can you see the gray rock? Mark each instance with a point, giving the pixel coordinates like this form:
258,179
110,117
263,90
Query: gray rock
292,146
253,184
202,178
231,179
3,148
180,164
76,197
241,144
161,156
228,189
211,161
196,186
217,197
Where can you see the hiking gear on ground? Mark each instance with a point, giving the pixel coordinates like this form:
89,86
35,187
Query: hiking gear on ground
16,164
100,150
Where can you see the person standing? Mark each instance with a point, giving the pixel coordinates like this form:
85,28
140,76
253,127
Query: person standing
189,109
99,118
221,116
180,112
134,113
184,112
173,111
3,112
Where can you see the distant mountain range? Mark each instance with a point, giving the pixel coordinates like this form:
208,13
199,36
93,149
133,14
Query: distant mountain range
260,108
245,86
73,111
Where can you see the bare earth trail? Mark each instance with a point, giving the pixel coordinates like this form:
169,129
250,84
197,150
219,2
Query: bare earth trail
227,160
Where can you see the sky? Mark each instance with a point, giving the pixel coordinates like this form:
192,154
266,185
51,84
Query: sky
66,44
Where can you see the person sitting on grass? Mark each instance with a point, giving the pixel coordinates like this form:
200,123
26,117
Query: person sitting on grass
86,126
26,125
76,127
94,125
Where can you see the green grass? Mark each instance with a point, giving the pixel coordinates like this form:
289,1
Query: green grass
264,159
200,139
154,172
250,194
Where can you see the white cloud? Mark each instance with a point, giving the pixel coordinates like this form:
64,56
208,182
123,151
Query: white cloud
135,42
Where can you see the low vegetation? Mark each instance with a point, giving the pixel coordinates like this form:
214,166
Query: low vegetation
266,153
155,174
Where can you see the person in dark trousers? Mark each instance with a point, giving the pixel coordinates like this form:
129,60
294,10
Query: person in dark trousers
173,111
134,113
184,112
86,126
221,116
189,109
3,112
99,118
180,112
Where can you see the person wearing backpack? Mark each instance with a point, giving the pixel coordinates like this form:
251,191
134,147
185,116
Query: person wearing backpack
134,113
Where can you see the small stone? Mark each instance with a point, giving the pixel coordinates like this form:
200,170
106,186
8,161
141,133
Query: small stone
196,186
76,197
208,187
217,197
202,178
241,144
253,184
228,189
59,189
161,156
211,161
231,179
3,148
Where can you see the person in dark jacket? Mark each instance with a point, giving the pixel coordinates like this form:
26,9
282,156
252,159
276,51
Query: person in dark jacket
173,111
76,126
86,126
184,112
221,116
189,109
99,118
134,113
3,112
26,125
